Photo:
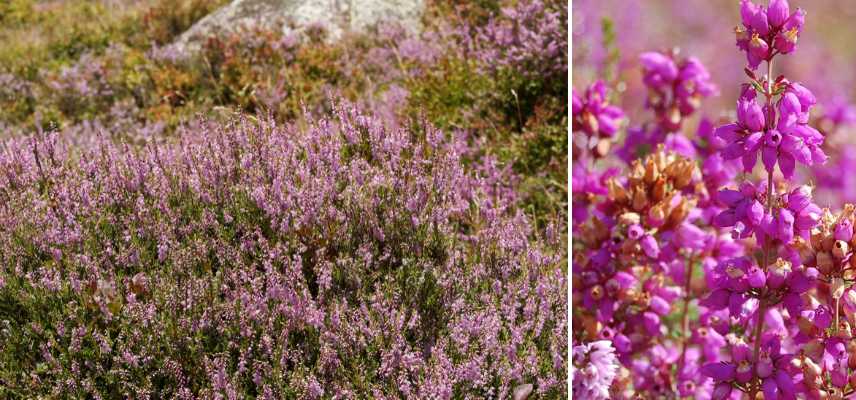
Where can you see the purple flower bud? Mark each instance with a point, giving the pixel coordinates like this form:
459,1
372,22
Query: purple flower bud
778,12
721,391
822,319
787,164
755,212
659,69
785,226
770,389
769,156
749,114
790,109
805,96
691,237
622,343
576,103
660,305
651,322
758,49
756,277
747,12
799,198
650,246
844,230
796,148
796,20
785,383
719,371
808,218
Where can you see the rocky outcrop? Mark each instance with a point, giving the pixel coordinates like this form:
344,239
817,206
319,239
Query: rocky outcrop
336,16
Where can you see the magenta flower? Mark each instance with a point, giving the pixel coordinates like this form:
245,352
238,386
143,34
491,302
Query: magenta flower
745,209
772,369
593,114
676,88
790,141
768,29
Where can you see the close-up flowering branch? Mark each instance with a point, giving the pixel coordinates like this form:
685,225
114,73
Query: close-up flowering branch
704,257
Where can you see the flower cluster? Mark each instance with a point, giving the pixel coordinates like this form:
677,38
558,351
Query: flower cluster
594,369
780,141
675,87
767,31
675,90
593,115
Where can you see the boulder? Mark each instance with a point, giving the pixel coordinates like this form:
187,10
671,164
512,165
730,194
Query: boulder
336,16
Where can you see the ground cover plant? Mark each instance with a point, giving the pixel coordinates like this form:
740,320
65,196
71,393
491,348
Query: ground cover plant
283,216
705,263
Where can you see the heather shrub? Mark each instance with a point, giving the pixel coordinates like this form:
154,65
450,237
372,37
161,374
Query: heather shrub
707,263
342,258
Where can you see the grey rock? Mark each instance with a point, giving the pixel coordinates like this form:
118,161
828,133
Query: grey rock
336,16
522,392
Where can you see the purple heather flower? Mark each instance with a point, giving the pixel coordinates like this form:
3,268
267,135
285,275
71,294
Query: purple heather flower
658,69
766,28
593,114
786,41
790,141
650,246
744,211
843,230
778,12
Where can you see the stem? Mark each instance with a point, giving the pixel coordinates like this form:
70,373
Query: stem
686,316
837,299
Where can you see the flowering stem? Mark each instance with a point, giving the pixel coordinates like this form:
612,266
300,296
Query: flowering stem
762,307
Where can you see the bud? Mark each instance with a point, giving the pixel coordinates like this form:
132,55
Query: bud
659,189
616,191
680,212
640,200
651,172
657,215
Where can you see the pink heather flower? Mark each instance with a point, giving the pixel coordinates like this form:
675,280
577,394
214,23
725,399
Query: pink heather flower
790,141
768,28
675,89
745,209
592,113
778,12
786,40
659,70
593,370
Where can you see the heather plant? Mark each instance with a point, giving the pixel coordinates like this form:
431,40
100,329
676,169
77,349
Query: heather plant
263,260
698,273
